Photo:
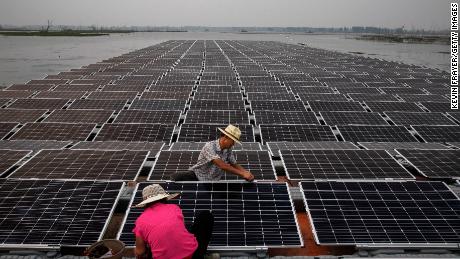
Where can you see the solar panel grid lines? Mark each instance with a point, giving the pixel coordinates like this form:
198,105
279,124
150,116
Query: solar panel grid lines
258,163
197,146
153,147
434,163
49,104
438,133
34,145
269,221
21,115
419,118
375,133
191,132
80,164
339,164
376,214
60,95
258,105
352,118
11,158
148,116
79,116
285,117
158,105
296,133
335,106
54,131
99,104
394,106
217,116
53,214
135,132
275,147
155,95
217,105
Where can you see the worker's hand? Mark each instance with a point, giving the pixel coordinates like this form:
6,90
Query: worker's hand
248,176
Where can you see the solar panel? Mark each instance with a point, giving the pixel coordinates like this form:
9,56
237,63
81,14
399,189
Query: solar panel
216,105
17,87
80,116
283,117
335,106
391,146
419,118
54,131
141,116
455,115
207,132
228,96
246,215
423,98
44,213
438,133
217,117
10,158
183,95
107,165
276,147
284,96
153,147
3,101
296,133
455,144
98,104
434,163
382,213
258,163
15,94
393,106
353,118
172,105
312,89
74,87
49,104
135,132
323,97
197,146
437,106
358,90
402,90
373,97
120,95
342,164
60,95
34,145
375,133
20,115
277,106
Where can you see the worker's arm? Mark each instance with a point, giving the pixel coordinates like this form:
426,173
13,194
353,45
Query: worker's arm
140,249
236,170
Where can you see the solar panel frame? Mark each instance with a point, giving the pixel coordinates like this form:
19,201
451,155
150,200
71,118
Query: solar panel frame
285,117
60,95
93,104
157,105
375,133
163,169
441,162
7,162
107,95
48,104
394,106
128,220
85,238
79,116
150,117
438,133
29,131
38,167
34,145
215,116
153,147
208,132
419,118
348,164
275,147
21,115
352,118
216,105
197,146
335,106
345,193
123,132
277,106
277,130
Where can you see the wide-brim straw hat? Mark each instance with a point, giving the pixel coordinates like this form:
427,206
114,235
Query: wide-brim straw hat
232,132
154,192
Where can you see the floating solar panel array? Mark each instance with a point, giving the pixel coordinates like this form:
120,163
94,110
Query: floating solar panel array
327,115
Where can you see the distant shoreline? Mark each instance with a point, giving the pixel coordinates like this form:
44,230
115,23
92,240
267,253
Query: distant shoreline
392,38
53,34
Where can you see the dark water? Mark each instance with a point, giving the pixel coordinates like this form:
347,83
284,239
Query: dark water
26,58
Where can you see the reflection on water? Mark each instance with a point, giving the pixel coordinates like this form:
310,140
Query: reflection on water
26,58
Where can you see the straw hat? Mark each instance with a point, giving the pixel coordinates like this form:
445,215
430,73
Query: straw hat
154,192
232,132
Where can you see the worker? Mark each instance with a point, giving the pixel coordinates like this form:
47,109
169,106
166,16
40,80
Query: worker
216,158
160,230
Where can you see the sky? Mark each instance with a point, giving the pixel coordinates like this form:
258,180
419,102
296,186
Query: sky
419,14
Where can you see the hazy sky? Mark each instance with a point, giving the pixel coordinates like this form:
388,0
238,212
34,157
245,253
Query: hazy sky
427,14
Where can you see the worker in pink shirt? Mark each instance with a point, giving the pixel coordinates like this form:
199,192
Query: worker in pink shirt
161,228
